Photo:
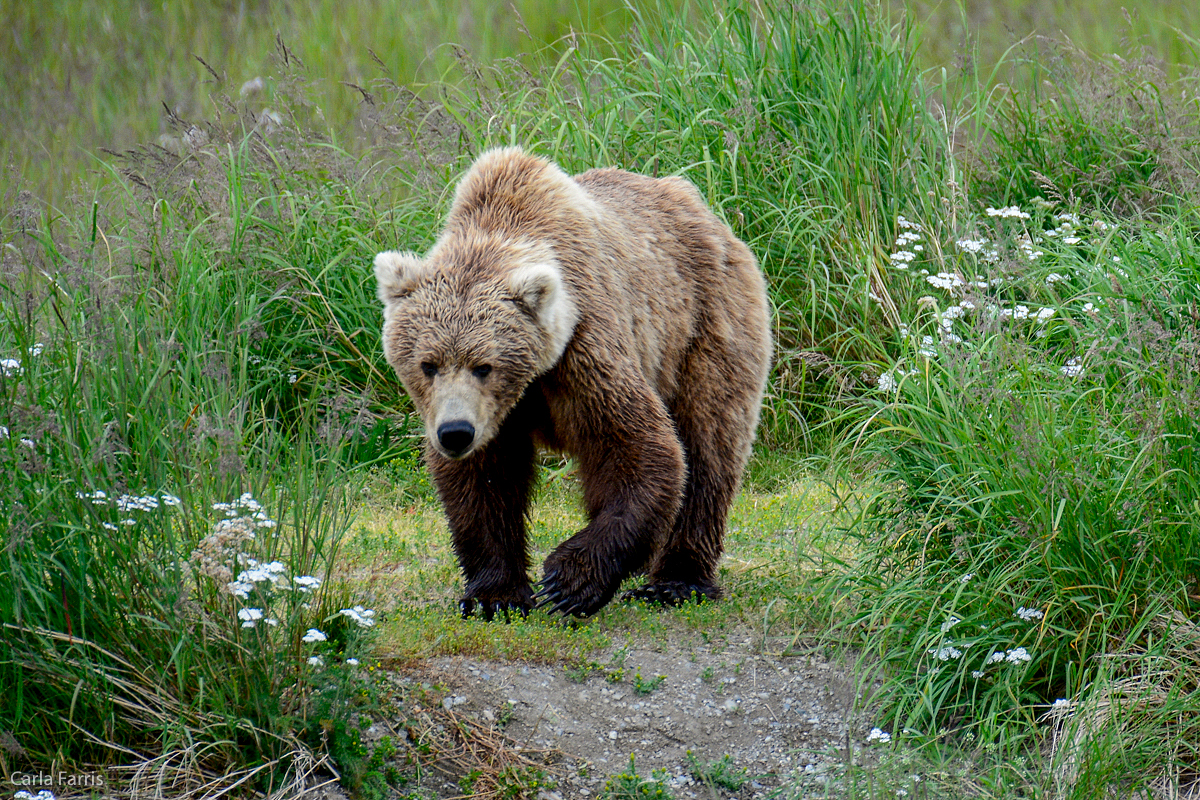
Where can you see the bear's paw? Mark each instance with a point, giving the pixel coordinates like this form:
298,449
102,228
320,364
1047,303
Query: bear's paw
673,593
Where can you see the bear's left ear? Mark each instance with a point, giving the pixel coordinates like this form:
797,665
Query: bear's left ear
395,274
539,289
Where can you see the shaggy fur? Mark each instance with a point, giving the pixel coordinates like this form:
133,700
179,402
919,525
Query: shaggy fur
611,316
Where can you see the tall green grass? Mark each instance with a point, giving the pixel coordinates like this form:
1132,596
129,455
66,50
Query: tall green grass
204,339
1031,552
115,74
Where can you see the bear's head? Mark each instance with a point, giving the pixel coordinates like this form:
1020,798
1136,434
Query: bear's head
469,327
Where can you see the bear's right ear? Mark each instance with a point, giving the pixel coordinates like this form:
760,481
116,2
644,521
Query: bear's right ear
395,275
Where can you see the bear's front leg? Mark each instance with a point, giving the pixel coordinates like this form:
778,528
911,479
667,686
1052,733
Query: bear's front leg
632,474
485,496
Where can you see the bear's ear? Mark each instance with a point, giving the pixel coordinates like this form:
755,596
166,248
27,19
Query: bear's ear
395,274
538,288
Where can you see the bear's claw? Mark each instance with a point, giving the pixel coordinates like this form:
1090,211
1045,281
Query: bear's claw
551,593
487,609
498,603
672,593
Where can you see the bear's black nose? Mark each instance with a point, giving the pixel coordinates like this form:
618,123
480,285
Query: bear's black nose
456,436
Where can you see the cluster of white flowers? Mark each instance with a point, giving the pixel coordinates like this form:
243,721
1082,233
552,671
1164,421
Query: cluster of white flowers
1073,368
890,380
306,584
272,573
1015,656
877,735
979,247
246,507
12,367
1066,229
1011,212
126,503
1029,614
313,635
44,794
250,617
365,617
908,243
1024,312
945,280
950,623
1026,246
947,653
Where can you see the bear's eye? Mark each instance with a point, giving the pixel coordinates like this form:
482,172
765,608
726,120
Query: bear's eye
429,368
482,371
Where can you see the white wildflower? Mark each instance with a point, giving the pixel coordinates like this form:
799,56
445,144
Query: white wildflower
1029,614
903,223
352,662
1073,368
313,635
240,588
945,280
1011,212
947,653
995,658
1017,656
1054,278
977,674
972,245
306,584
886,383
10,366
250,616
877,735
966,578
365,617
316,661
171,500
950,623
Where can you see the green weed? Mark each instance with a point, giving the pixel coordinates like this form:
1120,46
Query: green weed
719,773
628,785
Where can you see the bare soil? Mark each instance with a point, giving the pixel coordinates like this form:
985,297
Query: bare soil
781,720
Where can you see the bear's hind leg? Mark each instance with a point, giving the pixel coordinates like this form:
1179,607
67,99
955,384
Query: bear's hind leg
715,416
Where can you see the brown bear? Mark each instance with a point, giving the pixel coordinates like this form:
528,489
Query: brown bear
611,316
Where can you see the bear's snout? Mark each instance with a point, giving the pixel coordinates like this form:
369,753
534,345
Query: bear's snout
456,436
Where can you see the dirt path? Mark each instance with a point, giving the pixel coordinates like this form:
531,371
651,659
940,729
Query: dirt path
781,720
